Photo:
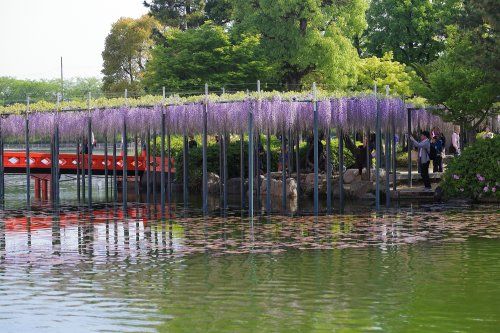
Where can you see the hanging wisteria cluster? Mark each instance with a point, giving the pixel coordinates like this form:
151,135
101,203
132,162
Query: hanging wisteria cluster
274,115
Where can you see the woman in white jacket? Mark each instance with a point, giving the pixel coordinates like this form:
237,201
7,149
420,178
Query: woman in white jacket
455,141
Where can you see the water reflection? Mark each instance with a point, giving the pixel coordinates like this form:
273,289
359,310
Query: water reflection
107,270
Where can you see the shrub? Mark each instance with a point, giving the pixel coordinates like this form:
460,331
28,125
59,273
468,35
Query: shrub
233,156
475,173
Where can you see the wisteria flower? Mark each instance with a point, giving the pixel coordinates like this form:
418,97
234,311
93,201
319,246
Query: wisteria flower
480,178
493,189
456,177
485,189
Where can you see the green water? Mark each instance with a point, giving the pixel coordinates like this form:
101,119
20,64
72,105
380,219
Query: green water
427,271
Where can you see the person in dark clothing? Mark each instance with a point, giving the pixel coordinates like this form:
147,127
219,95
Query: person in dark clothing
361,158
436,154
192,142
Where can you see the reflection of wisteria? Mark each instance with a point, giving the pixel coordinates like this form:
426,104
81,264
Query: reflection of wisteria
105,272
110,236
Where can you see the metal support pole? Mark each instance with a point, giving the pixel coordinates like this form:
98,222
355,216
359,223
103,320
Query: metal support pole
162,164
221,169
368,154
328,174
82,159
204,153
155,153
316,153
124,163
341,168
297,167
27,143
387,160
290,153
78,169
387,168
224,151
55,180
378,151
169,164
250,162
115,185
257,168
52,165
409,145
136,168
242,172
394,161
185,160
283,171
106,182
148,166
268,171
89,164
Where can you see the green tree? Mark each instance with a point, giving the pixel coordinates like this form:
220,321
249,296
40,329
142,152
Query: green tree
182,14
219,11
414,30
14,90
191,58
127,49
308,39
384,71
465,79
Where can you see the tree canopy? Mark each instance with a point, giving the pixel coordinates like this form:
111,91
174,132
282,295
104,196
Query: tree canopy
181,14
465,78
127,49
307,40
384,71
189,59
414,30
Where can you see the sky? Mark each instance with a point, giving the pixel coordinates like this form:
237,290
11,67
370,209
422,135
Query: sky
34,34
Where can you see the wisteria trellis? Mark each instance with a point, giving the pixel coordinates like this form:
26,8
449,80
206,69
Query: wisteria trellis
349,113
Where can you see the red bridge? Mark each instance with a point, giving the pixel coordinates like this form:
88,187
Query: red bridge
40,163
40,166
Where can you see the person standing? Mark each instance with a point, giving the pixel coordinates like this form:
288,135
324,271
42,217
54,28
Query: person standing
436,154
424,148
455,141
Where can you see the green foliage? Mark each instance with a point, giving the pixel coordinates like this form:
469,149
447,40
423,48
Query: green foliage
126,52
219,11
181,14
384,71
307,40
205,55
475,173
465,79
233,156
14,90
413,29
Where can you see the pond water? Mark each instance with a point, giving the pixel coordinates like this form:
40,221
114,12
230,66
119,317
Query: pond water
432,269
